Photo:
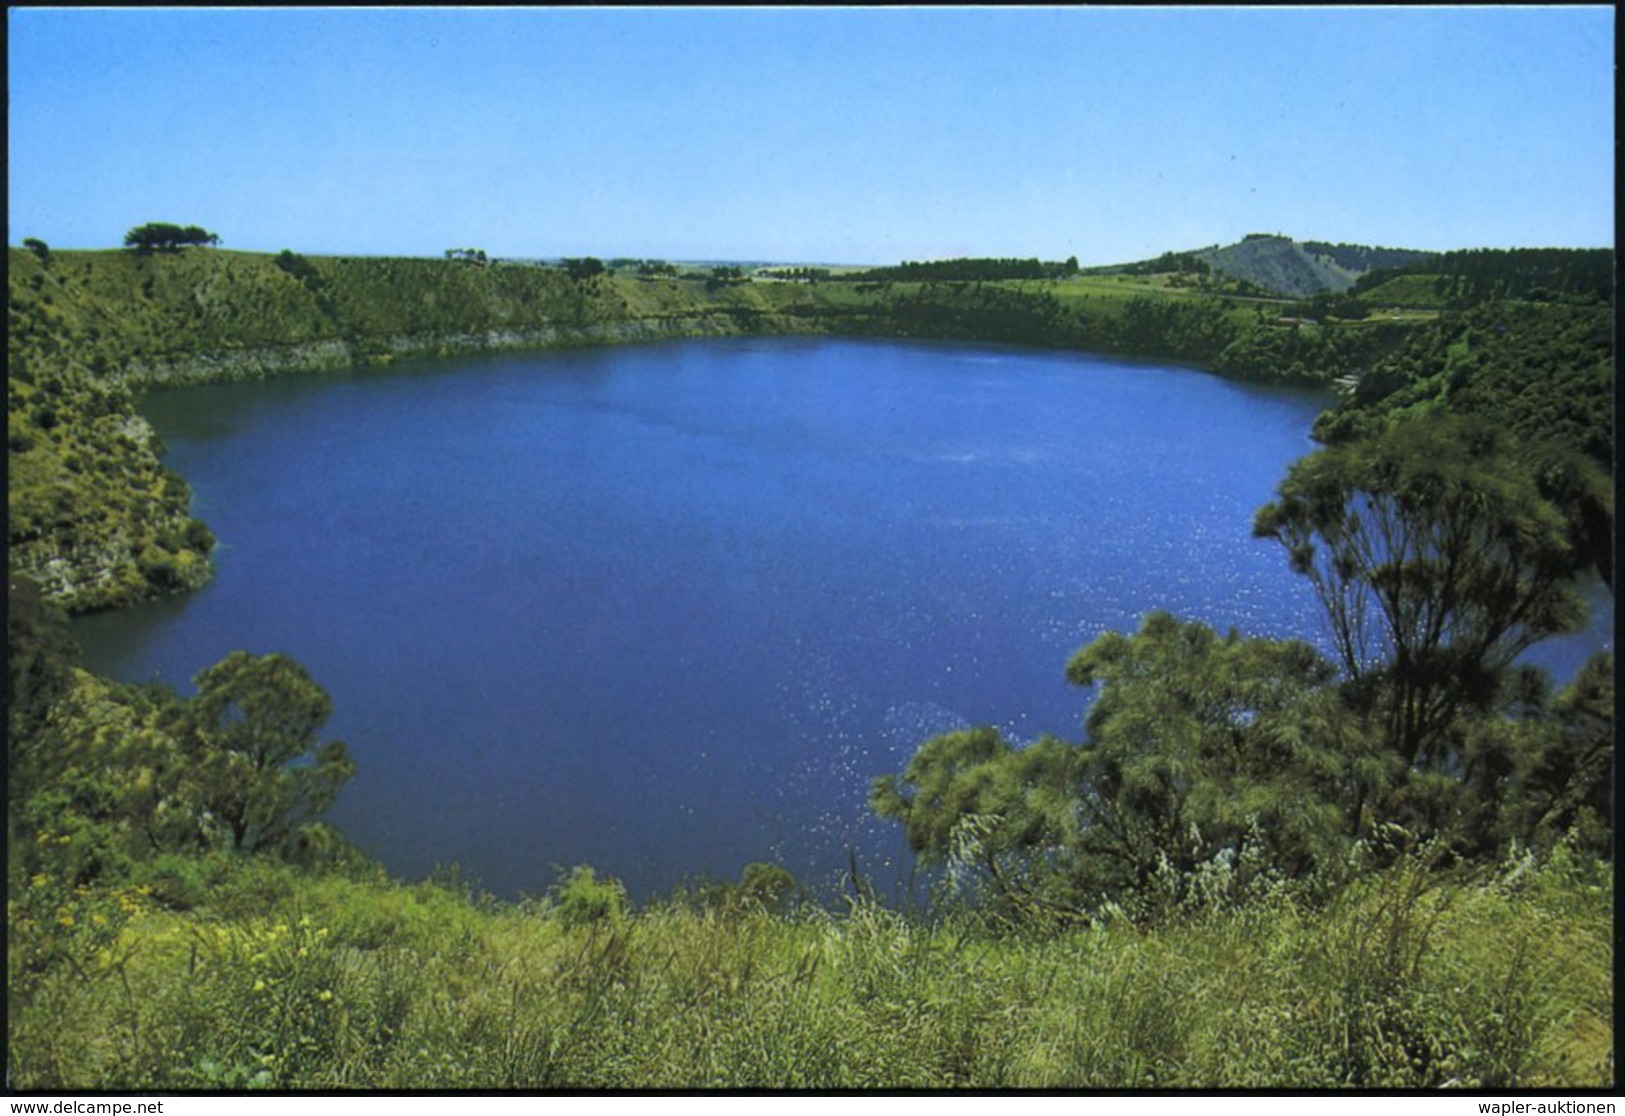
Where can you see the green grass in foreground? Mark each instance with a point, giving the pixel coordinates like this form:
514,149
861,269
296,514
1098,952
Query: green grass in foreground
280,980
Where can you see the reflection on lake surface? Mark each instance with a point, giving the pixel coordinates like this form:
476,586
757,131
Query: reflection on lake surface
668,609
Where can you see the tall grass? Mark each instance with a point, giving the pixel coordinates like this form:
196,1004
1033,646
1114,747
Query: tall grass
1401,979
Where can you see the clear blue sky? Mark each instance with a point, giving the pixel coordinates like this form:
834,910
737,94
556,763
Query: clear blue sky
834,135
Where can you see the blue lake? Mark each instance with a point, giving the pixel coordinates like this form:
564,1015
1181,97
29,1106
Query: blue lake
668,609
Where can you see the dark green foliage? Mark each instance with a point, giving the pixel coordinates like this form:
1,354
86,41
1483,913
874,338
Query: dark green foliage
1439,558
971,799
982,311
761,888
39,665
1327,305
967,270
164,237
1199,330
41,250
583,268
1362,258
1437,561
1543,375
1467,278
583,898
1195,742
725,275
1291,351
1177,263
796,274
252,734
121,774
1556,778
1198,746
297,266
768,886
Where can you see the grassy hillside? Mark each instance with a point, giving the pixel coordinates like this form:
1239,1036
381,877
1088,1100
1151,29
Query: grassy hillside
215,315
1296,269
92,515
211,973
1279,265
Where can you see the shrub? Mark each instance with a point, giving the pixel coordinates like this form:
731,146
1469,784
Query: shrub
583,899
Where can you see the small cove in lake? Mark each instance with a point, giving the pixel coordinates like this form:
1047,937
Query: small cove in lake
668,609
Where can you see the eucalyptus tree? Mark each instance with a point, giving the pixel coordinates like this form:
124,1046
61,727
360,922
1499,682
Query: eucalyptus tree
1437,562
252,734
163,236
1198,746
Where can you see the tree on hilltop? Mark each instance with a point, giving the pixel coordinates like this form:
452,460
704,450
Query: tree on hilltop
583,268
163,237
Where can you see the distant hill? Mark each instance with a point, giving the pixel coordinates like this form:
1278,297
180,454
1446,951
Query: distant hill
1301,269
1271,264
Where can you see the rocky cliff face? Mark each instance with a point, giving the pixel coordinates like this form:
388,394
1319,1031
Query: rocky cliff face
327,356
93,517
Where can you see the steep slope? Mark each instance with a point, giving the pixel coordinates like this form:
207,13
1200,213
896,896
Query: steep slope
1278,265
1300,269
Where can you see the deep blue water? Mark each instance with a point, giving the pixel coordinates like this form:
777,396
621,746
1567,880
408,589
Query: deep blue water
668,609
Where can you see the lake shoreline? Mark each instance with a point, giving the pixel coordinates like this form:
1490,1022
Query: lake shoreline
107,326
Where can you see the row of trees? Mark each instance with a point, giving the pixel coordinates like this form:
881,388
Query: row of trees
1467,278
1188,263
796,274
585,267
725,275
969,269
